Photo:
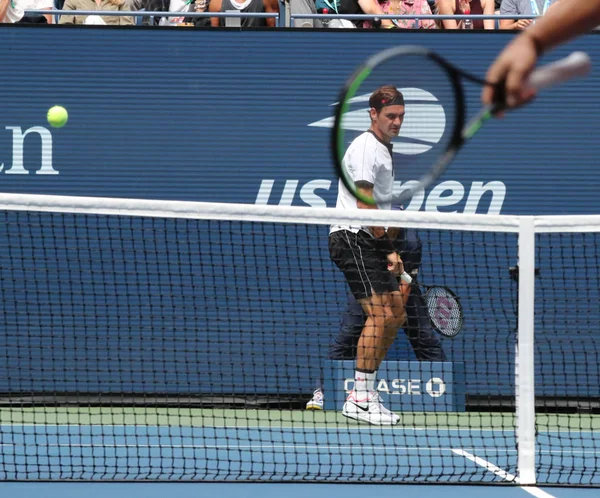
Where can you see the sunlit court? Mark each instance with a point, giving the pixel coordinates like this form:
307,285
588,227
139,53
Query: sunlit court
283,248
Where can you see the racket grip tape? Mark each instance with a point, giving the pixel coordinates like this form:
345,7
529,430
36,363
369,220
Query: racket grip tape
574,66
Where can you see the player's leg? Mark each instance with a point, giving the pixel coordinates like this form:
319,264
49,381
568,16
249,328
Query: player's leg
385,315
384,310
370,349
365,270
364,403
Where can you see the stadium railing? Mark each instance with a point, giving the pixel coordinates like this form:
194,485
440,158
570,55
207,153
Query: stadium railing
284,17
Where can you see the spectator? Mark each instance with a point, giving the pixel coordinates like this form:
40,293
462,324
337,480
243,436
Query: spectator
459,7
15,11
370,7
182,6
201,6
116,5
137,5
245,6
534,8
299,7
406,8
154,6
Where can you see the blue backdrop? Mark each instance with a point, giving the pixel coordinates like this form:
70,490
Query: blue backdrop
241,116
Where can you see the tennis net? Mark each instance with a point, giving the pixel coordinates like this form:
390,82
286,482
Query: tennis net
164,340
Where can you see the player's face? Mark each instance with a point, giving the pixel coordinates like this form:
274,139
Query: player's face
388,121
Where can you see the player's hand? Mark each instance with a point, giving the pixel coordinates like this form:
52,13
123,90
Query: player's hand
395,264
511,69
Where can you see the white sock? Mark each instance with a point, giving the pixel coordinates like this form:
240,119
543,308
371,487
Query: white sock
371,381
363,383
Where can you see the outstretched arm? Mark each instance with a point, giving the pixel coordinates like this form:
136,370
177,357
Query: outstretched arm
568,19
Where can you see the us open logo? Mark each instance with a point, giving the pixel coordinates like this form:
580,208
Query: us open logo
423,126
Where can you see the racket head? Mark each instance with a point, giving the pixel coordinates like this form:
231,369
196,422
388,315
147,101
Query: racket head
445,311
430,135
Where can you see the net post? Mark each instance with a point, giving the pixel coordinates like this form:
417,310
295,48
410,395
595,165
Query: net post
524,359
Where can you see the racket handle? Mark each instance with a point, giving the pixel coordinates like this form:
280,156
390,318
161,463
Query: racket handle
575,65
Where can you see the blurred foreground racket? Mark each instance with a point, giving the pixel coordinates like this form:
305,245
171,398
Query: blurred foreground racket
434,127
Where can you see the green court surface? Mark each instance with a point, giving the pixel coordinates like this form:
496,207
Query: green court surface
218,417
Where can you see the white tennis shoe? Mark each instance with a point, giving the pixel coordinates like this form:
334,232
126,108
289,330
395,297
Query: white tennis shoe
368,409
317,400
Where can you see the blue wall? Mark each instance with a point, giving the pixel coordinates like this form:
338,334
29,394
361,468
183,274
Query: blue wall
226,116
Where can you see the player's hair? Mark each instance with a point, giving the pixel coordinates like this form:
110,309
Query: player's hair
385,95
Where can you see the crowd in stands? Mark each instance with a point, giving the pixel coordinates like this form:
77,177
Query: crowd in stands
13,11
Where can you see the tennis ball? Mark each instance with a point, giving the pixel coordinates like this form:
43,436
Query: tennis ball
58,116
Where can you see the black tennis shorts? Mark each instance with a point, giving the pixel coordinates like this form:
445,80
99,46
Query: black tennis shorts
363,265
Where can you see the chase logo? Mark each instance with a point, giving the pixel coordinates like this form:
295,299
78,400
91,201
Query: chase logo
423,125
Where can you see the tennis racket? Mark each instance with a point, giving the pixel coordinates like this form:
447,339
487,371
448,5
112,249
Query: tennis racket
443,306
433,129
445,311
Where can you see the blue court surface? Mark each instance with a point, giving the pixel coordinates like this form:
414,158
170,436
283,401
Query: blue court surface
269,490
287,453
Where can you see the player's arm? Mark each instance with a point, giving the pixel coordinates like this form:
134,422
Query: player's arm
385,243
566,20
366,189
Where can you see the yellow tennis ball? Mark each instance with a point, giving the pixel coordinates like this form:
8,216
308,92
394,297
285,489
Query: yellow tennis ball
58,116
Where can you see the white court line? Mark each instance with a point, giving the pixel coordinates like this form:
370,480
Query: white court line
537,492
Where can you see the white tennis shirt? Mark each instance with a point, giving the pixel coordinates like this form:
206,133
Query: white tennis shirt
367,159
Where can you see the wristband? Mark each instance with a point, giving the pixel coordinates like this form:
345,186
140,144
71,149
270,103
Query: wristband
406,277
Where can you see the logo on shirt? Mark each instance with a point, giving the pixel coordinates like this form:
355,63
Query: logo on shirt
423,125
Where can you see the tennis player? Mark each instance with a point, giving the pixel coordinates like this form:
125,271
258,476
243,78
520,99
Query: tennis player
566,20
426,344
363,253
